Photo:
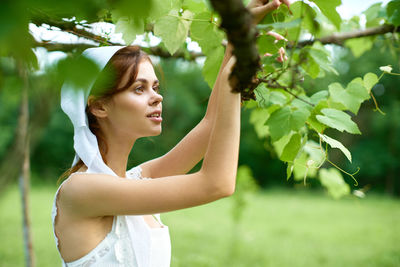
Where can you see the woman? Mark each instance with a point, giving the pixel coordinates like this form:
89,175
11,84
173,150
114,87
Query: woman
105,216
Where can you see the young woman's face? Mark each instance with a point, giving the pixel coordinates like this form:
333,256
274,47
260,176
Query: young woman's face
131,109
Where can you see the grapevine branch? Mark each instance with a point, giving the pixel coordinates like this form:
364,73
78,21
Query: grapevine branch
155,50
340,38
275,84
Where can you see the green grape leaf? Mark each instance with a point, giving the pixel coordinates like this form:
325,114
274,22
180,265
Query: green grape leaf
351,98
315,153
266,97
328,8
318,96
393,12
161,8
129,28
311,67
78,70
136,10
333,181
173,29
336,144
312,120
302,168
211,65
292,148
370,79
281,143
205,32
282,121
266,44
303,10
372,15
321,57
359,46
196,6
338,120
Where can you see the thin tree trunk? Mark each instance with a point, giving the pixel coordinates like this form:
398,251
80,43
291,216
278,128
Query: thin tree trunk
24,179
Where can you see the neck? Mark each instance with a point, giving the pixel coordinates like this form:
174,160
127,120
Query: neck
118,153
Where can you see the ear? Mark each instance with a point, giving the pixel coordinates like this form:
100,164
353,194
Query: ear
97,107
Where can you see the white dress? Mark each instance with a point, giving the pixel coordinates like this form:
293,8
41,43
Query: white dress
130,243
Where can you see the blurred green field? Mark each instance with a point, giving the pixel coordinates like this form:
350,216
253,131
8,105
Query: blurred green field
279,228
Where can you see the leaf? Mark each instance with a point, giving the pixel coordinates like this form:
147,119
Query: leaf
311,67
79,70
205,33
321,57
291,149
300,167
372,15
338,120
129,29
282,121
370,79
173,29
303,10
351,98
393,12
336,144
136,10
315,152
266,44
161,8
212,64
318,96
333,181
328,8
359,46
196,6
281,143
266,97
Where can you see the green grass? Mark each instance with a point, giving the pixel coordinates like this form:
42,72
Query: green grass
278,228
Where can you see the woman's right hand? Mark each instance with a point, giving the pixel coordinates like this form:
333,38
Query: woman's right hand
260,8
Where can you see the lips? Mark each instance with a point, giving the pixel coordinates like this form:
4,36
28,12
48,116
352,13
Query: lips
155,114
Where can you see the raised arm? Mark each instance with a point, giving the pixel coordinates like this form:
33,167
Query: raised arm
90,195
191,149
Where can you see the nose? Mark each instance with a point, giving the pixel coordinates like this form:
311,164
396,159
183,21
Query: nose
156,98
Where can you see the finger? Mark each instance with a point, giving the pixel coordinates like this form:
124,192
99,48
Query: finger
271,6
277,36
267,54
281,54
230,63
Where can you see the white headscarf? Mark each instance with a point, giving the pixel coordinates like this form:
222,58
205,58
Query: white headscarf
73,103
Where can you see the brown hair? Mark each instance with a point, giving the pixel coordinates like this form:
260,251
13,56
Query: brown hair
124,62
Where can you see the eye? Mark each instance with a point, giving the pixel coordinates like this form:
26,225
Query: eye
139,88
156,88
